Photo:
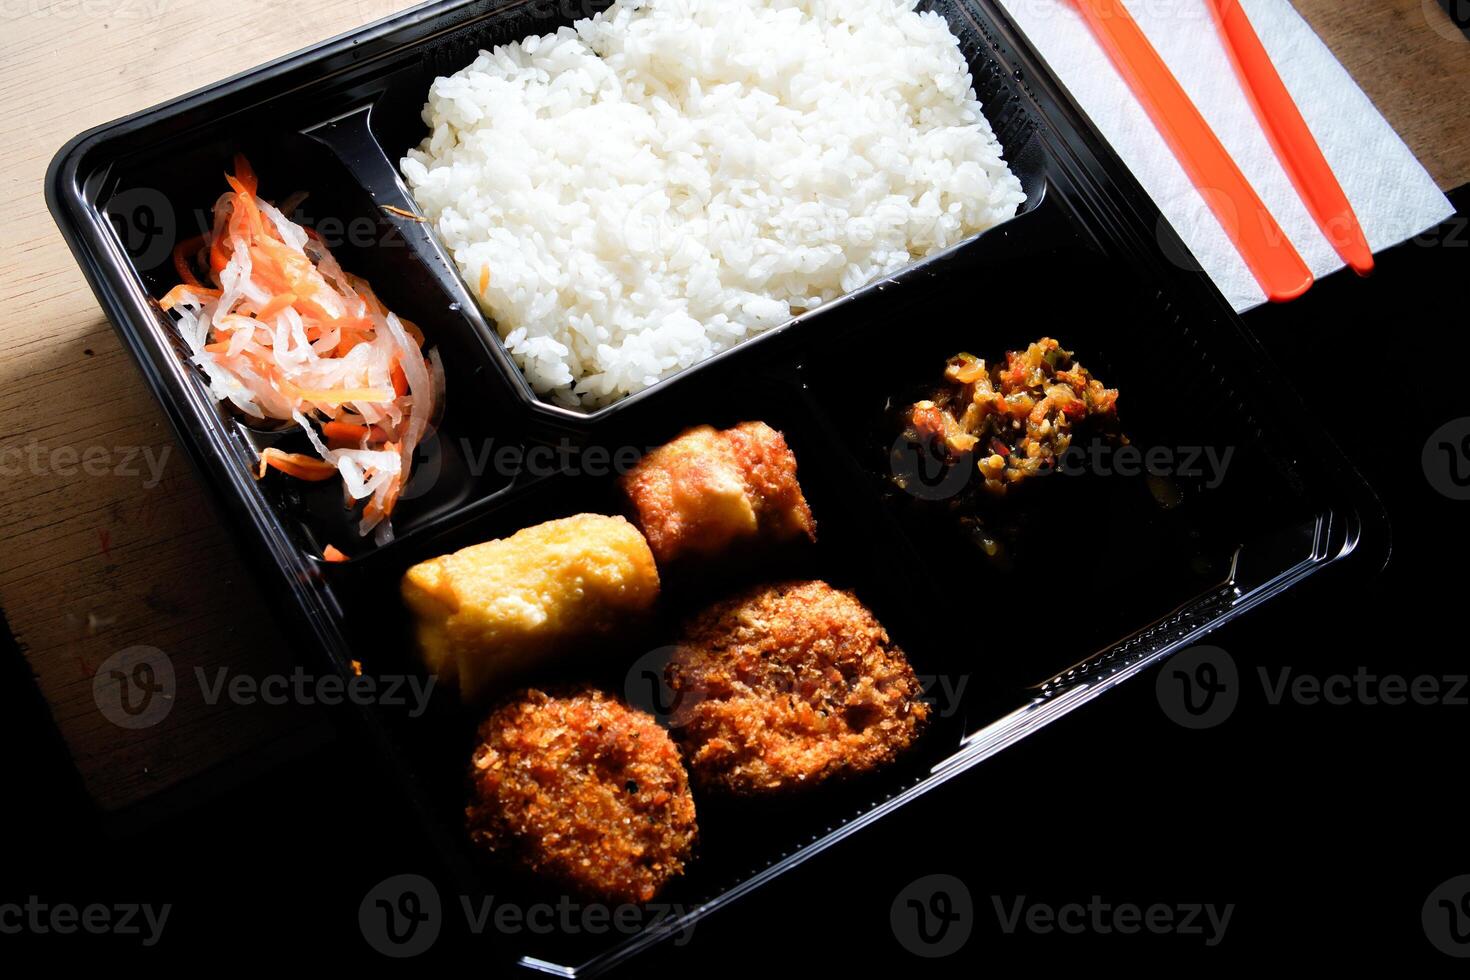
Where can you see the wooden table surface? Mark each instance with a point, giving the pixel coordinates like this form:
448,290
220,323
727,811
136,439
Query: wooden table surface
108,541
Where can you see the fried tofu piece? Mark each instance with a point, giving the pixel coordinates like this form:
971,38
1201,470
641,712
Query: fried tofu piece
497,608
708,491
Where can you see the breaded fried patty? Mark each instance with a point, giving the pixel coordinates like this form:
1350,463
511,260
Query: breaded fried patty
787,685
710,490
582,789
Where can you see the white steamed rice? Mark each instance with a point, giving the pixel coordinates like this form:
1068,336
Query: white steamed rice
671,177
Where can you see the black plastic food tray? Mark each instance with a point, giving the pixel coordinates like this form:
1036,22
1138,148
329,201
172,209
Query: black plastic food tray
1088,261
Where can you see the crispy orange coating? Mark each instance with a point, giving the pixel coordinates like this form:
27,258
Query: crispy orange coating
787,685
708,490
496,608
582,789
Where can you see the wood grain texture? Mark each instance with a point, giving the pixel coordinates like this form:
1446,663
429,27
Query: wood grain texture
119,553
94,563
1412,61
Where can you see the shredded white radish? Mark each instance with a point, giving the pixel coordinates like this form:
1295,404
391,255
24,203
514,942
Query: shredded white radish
286,334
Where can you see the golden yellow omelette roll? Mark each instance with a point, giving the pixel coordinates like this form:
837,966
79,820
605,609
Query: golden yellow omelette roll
497,608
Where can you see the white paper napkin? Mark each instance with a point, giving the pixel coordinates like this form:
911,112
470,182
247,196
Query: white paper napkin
1394,197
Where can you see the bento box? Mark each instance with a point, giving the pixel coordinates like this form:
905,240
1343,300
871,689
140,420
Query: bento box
1233,496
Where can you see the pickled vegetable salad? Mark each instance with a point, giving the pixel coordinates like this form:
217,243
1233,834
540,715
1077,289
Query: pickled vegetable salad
283,333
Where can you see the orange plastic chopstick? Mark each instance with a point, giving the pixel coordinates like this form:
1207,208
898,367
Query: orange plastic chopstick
1291,139
1257,237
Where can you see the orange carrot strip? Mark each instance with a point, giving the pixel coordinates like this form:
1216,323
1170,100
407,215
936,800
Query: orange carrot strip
282,269
347,432
299,465
246,173
400,379
277,303
267,272
341,396
246,220
182,264
395,486
176,295
218,257
345,347
330,553
399,212
360,324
